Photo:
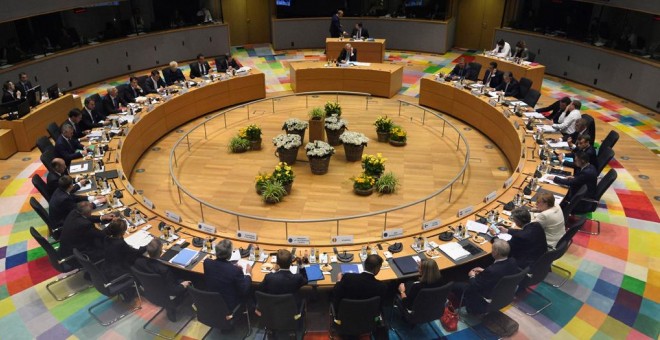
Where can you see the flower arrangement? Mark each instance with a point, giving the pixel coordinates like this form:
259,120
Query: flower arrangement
260,181
292,124
238,144
354,138
335,123
319,149
283,173
363,182
373,165
251,132
316,113
332,109
287,141
398,134
383,124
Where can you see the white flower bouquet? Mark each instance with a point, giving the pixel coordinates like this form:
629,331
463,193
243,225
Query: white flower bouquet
355,138
335,123
319,149
287,141
294,124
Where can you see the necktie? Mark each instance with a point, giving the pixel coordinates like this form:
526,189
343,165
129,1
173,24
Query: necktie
201,66
506,87
90,116
359,34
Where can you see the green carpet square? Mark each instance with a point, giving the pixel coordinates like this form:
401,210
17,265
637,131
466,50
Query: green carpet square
633,285
432,69
614,328
36,253
3,292
646,325
563,308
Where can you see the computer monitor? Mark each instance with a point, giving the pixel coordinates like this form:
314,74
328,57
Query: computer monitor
53,91
23,109
34,96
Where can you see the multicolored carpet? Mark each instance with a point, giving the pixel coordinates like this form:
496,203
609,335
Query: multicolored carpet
614,293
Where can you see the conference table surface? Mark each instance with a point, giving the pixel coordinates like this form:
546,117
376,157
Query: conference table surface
370,51
534,71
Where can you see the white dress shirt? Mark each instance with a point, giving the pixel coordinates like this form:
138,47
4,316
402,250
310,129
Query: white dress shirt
506,50
567,122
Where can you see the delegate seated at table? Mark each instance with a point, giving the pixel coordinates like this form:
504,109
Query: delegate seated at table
348,53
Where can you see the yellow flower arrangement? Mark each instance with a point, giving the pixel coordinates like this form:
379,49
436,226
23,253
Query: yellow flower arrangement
383,124
250,132
398,134
373,165
363,182
283,173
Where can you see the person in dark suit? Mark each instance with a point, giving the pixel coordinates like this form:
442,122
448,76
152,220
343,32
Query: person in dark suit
91,117
555,109
585,174
520,51
118,255
527,243
199,68
222,64
509,87
67,147
226,278
23,85
74,119
79,232
482,281
133,90
583,145
493,76
151,265
9,93
60,170
173,74
336,30
360,286
63,201
461,70
112,103
580,129
360,32
429,277
154,82
283,281
348,53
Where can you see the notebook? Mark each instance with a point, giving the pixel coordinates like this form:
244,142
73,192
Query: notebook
407,265
314,273
169,254
184,257
454,251
349,268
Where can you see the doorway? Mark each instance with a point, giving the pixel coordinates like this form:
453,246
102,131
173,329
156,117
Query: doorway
477,20
249,21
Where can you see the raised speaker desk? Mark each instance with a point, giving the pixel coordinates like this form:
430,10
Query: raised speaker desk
368,51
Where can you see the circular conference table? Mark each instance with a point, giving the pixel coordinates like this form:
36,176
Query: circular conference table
460,103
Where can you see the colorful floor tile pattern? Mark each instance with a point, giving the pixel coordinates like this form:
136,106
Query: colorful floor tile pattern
614,293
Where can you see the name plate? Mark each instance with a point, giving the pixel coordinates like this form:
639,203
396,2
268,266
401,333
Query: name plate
492,102
520,166
507,113
207,228
432,224
298,239
342,239
490,197
516,125
508,182
246,235
458,85
121,142
120,173
147,202
130,188
389,233
465,211
173,216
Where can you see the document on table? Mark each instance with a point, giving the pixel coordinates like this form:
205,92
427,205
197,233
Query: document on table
560,144
504,236
545,179
243,264
534,114
81,167
547,128
454,250
85,187
139,239
477,227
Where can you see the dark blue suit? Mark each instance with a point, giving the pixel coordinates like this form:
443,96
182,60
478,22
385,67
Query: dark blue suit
590,151
150,87
512,89
335,27
496,79
67,150
80,233
588,175
461,72
172,77
358,287
284,282
227,279
527,244
481,286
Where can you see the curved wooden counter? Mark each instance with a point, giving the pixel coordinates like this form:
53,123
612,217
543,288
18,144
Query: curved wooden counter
368,51
534,73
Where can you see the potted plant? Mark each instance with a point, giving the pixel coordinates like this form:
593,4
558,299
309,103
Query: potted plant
284,174
295,126
374,165
334,127
287,146
398,136
273,192
260,181
238,144
252,133
332,109
354,143
316,119
363,185
387,183
319,154
383,126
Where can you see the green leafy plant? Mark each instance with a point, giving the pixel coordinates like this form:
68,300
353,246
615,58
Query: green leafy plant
398,134
272,192
283,173
387,183
363,182
238,144
332,109
316,113
373,165
383,124
261,179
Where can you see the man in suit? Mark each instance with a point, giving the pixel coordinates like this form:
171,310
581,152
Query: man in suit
222,64
112,103
482,281
151,265
60,170
336,30
91,117
502,49
566,121
360,286
154,83
461,70
583,145
23,85
527,243
493,76
585,174
283,281
580,129
67,147
509,86
199,68
555,110
133,90
79,232
74,119
360,32
226,278
9,93
348,53
63,201
550,217
173,74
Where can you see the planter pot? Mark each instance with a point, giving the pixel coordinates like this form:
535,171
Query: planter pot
319,166
270,201
396,143
255,145
316,130
287,155
258,189
353,152
288,187
363,192
300,133
241,150
383,137
333,136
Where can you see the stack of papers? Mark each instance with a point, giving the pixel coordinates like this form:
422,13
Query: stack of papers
534,114
184,257
547,128
477,227
139,239
560,144
243,264
454,251
503,236
81,167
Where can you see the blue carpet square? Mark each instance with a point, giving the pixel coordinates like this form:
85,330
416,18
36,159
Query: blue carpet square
15,260
623,314
602,303
606,289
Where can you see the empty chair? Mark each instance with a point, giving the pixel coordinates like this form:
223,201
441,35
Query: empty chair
41,211
473,72
563,244
590,205
44,144
356,317
427,307
567,208
532,97
67,266
539,271
111,289
525,84
142,80
591,126
531,56
212,311
610,140
280,313
39,183
605,155
46,159
53,131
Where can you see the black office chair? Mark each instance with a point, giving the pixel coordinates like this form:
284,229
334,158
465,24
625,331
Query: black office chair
98,100
610,140
591,126
525,84
605,155
110,289
531,56
142,80
537,274
280,313
46,159
427,307
563,244
567,208
473,71
41,211
121,89
39,183
53,131
155,290
356,317
532,97
44,144
219,61
213,312
67,266
589,205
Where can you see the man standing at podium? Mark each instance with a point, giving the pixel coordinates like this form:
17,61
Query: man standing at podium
347,54
335,26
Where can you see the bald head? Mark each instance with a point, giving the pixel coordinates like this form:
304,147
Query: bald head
59,165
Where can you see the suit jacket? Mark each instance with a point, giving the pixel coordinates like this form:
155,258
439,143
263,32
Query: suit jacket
223,65
23,88
61,204
77,130
483,283
129,94
150,87
51,182
284,282
496,79
80,233
119,257
358,287
343,55
527,244
588,175
110,106
227,279
512,89
460,72
335,27
412,290
363,34
196,71
91,119
172,77
153,266
552,221
67,150
590,151
8,96
554,111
